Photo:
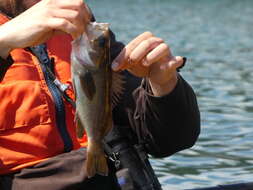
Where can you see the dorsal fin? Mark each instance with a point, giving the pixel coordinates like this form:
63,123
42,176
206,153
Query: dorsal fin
117,87
88,85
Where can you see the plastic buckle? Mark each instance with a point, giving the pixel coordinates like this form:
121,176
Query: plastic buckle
115,158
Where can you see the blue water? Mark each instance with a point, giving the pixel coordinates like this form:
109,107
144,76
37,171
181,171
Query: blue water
217,38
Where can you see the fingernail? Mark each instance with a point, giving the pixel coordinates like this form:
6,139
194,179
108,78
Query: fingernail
115,66
145,63
163,66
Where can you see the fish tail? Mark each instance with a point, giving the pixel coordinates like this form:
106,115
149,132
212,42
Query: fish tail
96,162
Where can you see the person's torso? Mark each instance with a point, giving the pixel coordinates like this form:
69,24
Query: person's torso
29,132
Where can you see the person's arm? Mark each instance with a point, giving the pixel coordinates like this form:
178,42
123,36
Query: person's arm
169,123
38,23
166,124
164,117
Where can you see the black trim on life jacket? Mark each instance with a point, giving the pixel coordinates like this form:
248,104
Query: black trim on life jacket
46,64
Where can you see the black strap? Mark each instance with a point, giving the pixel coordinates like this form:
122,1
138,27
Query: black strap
134,158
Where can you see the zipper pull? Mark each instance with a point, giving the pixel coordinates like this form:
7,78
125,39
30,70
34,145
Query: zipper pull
62,87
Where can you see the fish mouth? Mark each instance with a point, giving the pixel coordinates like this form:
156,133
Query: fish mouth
90,47
96,30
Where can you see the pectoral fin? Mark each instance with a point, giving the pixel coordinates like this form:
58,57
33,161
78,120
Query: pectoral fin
88,85
79,128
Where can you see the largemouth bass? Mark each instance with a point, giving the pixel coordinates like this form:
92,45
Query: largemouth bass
92,80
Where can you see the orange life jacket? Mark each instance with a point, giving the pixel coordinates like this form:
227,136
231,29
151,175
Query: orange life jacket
28,129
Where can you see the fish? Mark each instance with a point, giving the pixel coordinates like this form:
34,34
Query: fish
92,78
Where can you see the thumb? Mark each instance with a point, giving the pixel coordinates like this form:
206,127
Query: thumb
181,61
177,62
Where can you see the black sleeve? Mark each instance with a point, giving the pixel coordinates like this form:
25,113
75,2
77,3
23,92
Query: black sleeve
4,66
167,124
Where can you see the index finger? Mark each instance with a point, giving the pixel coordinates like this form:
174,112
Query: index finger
120,61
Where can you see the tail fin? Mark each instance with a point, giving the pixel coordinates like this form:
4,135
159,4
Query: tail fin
96,161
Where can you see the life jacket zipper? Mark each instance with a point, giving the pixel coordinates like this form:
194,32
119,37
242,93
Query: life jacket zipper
45,63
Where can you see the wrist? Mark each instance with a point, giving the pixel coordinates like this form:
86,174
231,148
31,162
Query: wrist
165,88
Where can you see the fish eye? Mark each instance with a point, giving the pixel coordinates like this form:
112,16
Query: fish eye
101,41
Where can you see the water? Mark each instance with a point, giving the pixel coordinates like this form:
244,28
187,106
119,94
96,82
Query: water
217,38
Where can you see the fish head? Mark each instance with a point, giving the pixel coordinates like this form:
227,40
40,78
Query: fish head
92,47
98,36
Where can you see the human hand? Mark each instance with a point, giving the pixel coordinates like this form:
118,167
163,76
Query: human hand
148,56
43,20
